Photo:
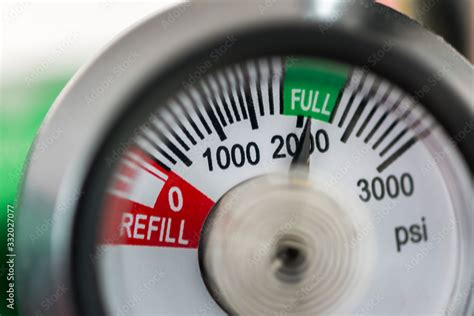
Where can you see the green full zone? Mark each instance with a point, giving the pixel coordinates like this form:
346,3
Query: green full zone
23,107
312,87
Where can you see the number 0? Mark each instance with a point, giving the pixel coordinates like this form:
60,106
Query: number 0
175,198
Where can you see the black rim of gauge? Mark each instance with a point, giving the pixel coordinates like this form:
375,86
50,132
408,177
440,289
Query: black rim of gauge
355,46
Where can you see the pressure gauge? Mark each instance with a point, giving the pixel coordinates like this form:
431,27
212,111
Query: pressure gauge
306,157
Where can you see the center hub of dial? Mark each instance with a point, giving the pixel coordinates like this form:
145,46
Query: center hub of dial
277,244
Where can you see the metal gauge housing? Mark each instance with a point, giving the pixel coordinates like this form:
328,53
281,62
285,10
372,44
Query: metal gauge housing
306,157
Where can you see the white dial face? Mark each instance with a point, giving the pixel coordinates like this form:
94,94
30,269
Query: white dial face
374,152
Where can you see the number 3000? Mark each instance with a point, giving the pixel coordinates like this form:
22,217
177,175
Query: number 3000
392,187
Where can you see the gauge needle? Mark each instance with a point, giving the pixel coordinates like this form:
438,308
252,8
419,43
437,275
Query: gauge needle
303,150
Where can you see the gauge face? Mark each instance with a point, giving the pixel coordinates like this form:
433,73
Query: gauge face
287,185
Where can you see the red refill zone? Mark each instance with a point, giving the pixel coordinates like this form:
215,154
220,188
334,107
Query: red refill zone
149,205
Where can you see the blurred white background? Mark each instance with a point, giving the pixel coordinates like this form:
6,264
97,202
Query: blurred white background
39,37
42,38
